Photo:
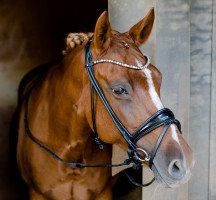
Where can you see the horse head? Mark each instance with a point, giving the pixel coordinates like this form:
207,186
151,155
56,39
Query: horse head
131,87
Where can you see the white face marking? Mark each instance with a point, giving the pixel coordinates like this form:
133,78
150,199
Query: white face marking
138,63
174,133
152,92
156,99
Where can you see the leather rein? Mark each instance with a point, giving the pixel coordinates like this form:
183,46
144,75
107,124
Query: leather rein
163,117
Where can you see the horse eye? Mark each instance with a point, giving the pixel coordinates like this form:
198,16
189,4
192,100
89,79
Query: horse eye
119,91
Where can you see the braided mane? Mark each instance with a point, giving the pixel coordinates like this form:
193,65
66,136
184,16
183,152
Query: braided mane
75,39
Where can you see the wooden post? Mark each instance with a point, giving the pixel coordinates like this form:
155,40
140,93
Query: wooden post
201,139
173,60
124,14
212,160
171,54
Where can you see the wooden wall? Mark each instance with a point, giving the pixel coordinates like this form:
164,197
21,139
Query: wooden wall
184,50
186,54
188,29
201,112
173,59
212,149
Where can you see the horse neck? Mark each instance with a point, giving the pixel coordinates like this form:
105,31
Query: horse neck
62,123
66,86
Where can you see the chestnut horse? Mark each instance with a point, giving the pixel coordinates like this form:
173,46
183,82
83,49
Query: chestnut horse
107,90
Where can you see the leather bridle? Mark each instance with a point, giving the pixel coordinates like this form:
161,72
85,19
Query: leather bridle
137,155
163,117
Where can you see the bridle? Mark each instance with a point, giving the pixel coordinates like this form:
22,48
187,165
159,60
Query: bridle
163,117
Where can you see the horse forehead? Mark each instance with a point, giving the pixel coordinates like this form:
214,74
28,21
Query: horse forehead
146,76
115,72
123,41
120,36
126,52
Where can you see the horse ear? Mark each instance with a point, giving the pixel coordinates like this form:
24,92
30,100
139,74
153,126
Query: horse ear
141,31
102,32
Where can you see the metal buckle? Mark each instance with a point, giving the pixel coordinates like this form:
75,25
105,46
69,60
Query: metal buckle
137,156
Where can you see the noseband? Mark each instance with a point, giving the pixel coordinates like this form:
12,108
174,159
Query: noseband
137,155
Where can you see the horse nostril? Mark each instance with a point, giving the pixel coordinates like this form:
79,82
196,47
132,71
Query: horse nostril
176,169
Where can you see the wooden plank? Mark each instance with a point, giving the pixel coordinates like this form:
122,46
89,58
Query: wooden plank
173,59
212,161
123,15
201,33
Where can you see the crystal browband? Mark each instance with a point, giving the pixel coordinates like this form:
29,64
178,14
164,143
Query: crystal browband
122,64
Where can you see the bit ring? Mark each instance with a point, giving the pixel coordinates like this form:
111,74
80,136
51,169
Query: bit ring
146,156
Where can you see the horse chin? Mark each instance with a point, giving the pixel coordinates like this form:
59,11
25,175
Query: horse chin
167,181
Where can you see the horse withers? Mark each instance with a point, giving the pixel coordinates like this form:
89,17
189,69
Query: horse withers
103,92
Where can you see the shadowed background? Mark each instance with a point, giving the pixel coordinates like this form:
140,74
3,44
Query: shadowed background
31,33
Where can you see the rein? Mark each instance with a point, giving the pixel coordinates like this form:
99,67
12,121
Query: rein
163,117
55,156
